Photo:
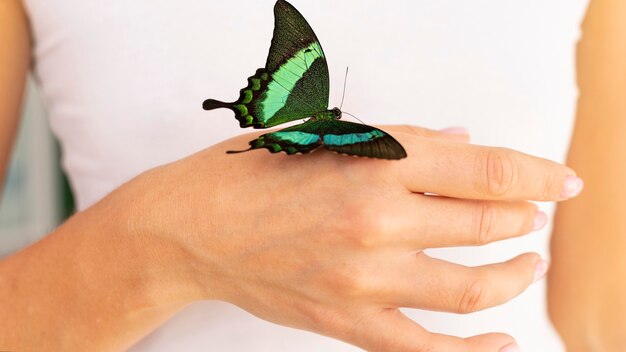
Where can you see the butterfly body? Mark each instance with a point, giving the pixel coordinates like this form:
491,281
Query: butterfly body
332,114
294,84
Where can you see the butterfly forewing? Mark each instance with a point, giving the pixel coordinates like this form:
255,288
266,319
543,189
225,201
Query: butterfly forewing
294,83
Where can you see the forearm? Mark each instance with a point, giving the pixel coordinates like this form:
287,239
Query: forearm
586,283
14,62
94,282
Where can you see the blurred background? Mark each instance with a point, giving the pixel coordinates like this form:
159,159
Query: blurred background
36,197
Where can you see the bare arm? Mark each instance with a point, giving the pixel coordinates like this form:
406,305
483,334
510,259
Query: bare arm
14,61
587,282
91,283
37,284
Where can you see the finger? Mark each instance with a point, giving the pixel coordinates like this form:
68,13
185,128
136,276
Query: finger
422,221
390,330
476,172
456,134
439,285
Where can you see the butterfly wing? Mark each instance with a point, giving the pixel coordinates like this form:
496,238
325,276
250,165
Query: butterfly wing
294,83
360,140
339,136
302,138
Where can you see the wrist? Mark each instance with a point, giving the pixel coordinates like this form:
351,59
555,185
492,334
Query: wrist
154,266
158,240
110,283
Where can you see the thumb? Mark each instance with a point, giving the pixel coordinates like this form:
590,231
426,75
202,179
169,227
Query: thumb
391,331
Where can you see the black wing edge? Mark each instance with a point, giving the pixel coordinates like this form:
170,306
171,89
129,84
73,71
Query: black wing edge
385,147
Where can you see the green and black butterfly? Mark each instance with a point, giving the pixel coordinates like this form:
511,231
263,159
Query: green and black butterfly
293,85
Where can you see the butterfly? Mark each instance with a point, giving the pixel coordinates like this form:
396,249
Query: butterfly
293,85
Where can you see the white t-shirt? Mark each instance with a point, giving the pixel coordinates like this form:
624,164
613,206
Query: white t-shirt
124,82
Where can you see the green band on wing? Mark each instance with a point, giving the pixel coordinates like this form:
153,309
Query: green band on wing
351,138
296,137
285,78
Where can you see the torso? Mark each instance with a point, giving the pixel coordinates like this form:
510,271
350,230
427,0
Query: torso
125,80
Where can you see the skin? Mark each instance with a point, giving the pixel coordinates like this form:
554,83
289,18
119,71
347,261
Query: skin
586,284
14,62
166,239
199,229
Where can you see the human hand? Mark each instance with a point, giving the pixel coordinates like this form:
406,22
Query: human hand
334,244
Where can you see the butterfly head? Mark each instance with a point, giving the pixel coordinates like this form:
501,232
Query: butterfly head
336,113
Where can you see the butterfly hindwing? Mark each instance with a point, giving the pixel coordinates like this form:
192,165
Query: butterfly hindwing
339,136
361,140
291,140
294,83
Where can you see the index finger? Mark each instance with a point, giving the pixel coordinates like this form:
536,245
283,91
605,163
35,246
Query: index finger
457,134
476,172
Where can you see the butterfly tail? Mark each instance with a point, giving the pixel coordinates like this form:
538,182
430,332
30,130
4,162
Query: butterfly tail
238,151
211,104
241,112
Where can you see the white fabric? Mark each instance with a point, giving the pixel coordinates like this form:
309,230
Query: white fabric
124,82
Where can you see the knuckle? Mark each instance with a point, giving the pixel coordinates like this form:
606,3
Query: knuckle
362,225
414,130
551,188
350,281
485,228
473,297
321,318
428,344
499,171
530,212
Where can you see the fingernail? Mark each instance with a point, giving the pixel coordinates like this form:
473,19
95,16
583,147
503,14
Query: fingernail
572,187
455,130
540,220
511,348
541,268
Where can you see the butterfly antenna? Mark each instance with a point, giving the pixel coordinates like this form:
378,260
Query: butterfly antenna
347,113
343,96
345,82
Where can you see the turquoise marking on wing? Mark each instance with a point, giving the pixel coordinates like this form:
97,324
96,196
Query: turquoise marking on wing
296,137
351,138
285,79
